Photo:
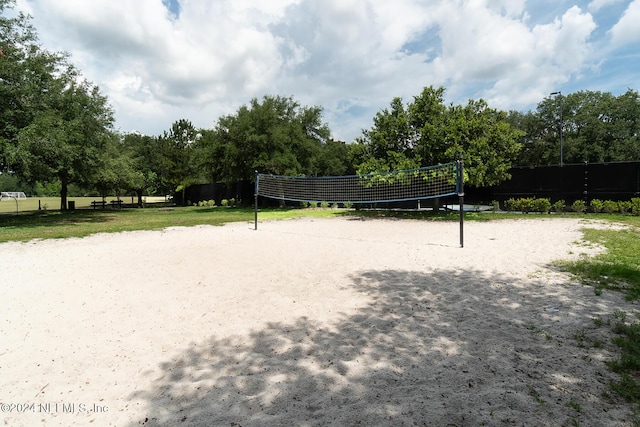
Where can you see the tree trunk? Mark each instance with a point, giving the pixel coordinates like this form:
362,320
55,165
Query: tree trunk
63,194
139,193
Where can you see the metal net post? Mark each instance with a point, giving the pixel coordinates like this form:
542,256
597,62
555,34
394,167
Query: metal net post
461,199
255,201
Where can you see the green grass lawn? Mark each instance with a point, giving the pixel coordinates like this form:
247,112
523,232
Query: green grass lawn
32,204
83,222
617,269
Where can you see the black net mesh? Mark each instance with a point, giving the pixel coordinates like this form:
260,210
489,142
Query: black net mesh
415,184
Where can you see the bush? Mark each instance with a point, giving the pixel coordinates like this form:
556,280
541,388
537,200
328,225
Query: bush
224,202
495,206
596,205
324,205
511,205
528,204
525,204
541,205
624,206
559,206
579,206
347,205
609,206
635,206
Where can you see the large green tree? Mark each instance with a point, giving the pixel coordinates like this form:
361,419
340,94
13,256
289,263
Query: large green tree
66,140
53,123
119,170
147,162
272,135
427,132
180,147
333,159
391,141
26,74
596,127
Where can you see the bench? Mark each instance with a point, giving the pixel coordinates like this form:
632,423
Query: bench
96,203
116,203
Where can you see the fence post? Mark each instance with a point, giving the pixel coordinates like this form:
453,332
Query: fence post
585,190
255,202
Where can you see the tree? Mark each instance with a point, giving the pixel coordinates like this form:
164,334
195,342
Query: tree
484,139
390,142
535,150
596,127
427,132
118,171
428,115
179,146
66,140
53,123
26,73
333,159
147,160
626,126
275,135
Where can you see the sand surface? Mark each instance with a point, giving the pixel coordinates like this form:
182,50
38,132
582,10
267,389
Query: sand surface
307,322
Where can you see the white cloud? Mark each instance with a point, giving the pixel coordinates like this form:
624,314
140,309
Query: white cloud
349,56
627,30
485,46
212,51
596,5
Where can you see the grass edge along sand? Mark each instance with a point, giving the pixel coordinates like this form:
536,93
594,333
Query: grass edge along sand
617,269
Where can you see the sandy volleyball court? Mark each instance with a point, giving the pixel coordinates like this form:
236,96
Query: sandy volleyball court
305,323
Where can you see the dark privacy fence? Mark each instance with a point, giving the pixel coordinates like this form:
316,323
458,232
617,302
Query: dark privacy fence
240,191
586,181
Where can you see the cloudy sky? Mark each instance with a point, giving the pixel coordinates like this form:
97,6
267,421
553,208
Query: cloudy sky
163,60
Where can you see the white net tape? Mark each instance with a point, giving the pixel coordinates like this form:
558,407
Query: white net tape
414,184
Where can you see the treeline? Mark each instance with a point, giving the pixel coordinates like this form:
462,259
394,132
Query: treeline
56,134
596,127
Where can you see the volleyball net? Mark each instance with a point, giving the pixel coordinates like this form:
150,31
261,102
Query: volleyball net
415,184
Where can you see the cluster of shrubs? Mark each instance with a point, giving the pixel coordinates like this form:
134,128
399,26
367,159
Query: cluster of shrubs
211,203
544,205
326,205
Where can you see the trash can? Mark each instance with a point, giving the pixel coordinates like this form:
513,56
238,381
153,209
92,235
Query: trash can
72,205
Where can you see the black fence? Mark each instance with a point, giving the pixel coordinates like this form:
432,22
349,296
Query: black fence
587,181
241,192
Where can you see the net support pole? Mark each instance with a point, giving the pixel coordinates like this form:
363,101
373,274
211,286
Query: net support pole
255,202
461,199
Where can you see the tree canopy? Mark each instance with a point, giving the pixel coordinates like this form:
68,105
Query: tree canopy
426,132
273,135
596,127
54,124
